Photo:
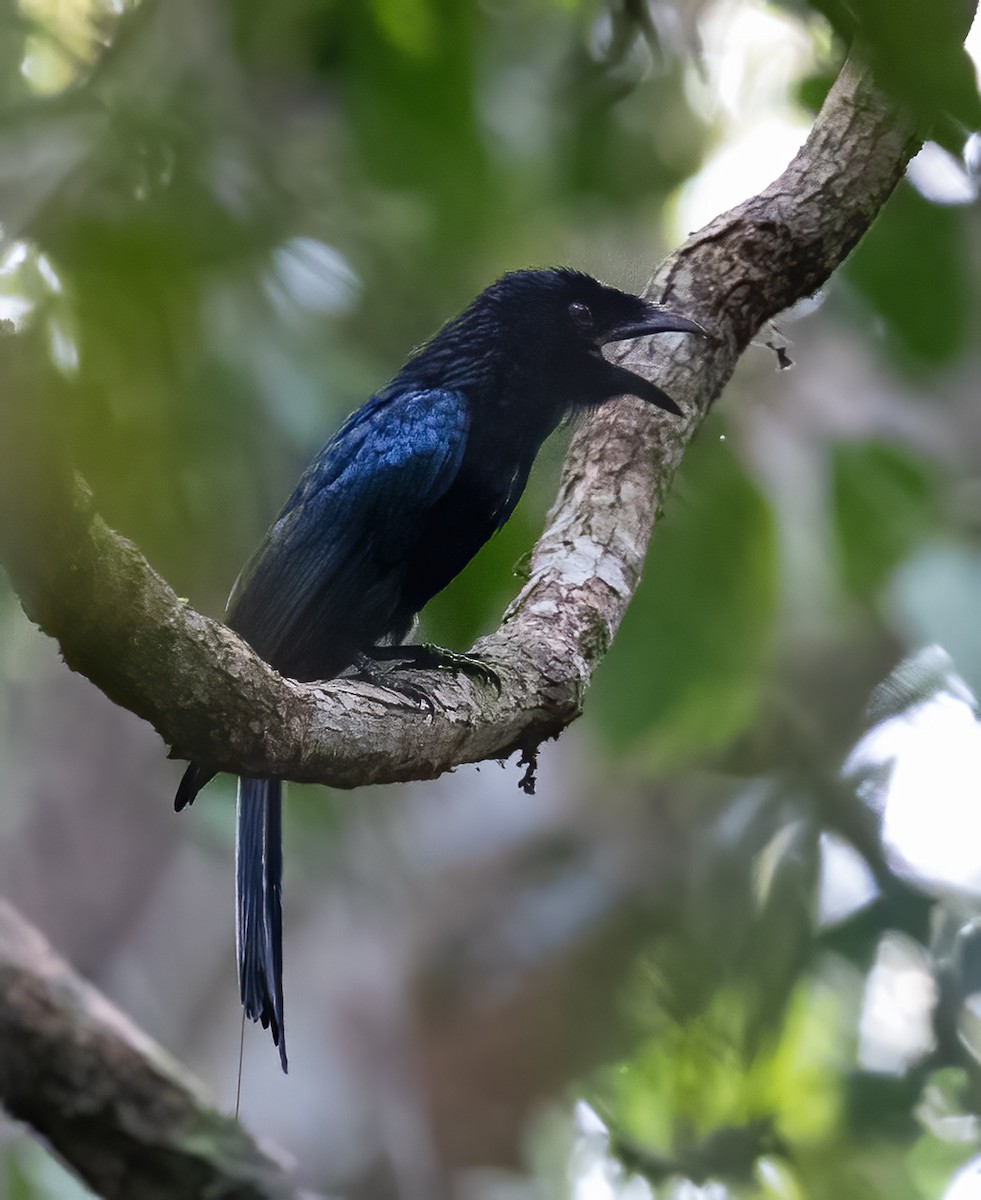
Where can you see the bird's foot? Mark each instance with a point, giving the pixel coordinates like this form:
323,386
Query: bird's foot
369,669
428,657
440,659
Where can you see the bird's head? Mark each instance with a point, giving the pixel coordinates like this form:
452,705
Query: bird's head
564,318
539,334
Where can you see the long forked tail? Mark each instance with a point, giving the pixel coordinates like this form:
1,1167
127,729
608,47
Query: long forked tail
259,926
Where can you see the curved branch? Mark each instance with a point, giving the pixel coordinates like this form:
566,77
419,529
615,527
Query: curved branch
212,699
106,1097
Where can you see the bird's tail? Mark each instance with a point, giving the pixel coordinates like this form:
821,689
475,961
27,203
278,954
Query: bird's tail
259,927
192,781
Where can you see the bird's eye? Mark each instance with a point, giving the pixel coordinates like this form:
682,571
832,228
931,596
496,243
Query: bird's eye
582,318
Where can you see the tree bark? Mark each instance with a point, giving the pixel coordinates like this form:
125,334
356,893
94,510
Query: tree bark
106,1098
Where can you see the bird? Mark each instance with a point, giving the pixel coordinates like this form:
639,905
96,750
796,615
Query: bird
394,506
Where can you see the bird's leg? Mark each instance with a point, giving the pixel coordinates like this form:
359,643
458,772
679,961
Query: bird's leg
428,657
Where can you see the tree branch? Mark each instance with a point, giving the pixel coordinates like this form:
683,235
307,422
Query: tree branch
105,1097
212,699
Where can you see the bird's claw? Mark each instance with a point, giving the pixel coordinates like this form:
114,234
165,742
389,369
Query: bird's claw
439,659
369,669
467,664
427,657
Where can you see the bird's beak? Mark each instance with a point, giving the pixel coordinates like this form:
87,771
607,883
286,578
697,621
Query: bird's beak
656,319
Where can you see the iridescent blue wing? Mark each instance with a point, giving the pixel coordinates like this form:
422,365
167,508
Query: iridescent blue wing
326,580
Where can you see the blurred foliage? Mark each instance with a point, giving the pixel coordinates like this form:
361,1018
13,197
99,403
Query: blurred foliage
767,1060
934,597
228,222
885,502
712,569
916,48
927,299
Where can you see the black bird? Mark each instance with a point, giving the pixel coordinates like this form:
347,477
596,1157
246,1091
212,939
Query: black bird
395,505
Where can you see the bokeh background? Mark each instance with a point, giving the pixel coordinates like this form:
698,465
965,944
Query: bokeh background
730,946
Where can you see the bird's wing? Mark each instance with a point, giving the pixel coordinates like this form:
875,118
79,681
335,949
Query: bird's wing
351,517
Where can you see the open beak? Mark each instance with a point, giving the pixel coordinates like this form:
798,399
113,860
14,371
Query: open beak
655,320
